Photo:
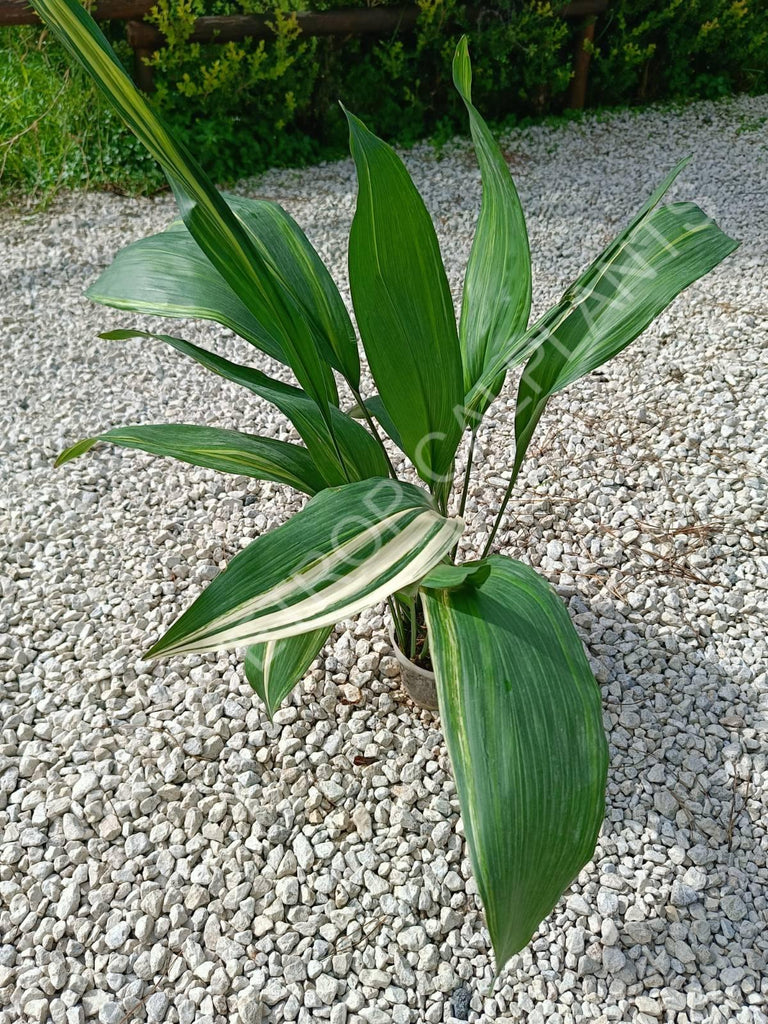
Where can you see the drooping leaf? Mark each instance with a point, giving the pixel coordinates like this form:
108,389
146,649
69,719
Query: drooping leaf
403,307
521,715
215,228
274,668
349,548
229,451
361,456
497,285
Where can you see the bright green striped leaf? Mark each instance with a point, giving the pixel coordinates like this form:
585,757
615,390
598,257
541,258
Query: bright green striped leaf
229,451
274,668
669,249
521,715
355,455
497,285
215,228
349,548
403,307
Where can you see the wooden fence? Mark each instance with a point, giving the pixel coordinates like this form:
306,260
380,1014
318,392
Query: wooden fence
145,39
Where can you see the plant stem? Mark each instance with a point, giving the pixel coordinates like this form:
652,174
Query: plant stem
412,654
397,622
502,510
468,471
465,488
374,430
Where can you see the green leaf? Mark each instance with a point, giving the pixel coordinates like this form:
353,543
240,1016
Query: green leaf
229,451
598,317
215,228
659,253
403,307
361,456
169,275
520,711
378,410
349,548
295,263
447,576
497,286
274,668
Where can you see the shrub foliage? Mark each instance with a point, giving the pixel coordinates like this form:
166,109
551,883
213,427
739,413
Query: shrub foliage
257,103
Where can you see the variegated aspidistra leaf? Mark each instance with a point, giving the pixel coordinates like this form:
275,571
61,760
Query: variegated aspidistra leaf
349,548
274,668
497,285
220,234
229,451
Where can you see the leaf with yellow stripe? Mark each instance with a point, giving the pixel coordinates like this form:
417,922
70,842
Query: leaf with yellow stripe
216,229
521,715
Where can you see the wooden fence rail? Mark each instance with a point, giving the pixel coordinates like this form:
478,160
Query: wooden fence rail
145,39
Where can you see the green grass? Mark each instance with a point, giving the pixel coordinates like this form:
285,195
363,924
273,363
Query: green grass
56,131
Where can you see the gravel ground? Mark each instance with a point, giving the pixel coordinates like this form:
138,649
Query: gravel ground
167,854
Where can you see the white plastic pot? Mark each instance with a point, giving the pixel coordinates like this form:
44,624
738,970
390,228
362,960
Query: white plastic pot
418,683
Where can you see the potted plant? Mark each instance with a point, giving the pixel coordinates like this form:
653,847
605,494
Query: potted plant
519,707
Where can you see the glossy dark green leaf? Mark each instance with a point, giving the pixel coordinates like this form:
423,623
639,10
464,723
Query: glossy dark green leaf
274,668
347,549
229,451
403,307
169,275
497,286
521,714
296,264
355,454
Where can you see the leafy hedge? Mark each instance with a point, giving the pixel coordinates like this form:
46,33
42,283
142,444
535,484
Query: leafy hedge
245,106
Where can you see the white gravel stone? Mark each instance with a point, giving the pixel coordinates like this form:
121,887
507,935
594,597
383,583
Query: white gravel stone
159,835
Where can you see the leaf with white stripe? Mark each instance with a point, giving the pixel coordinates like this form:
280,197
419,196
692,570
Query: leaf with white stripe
229,451
348,549
274,668
521,715
497,285
672,248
